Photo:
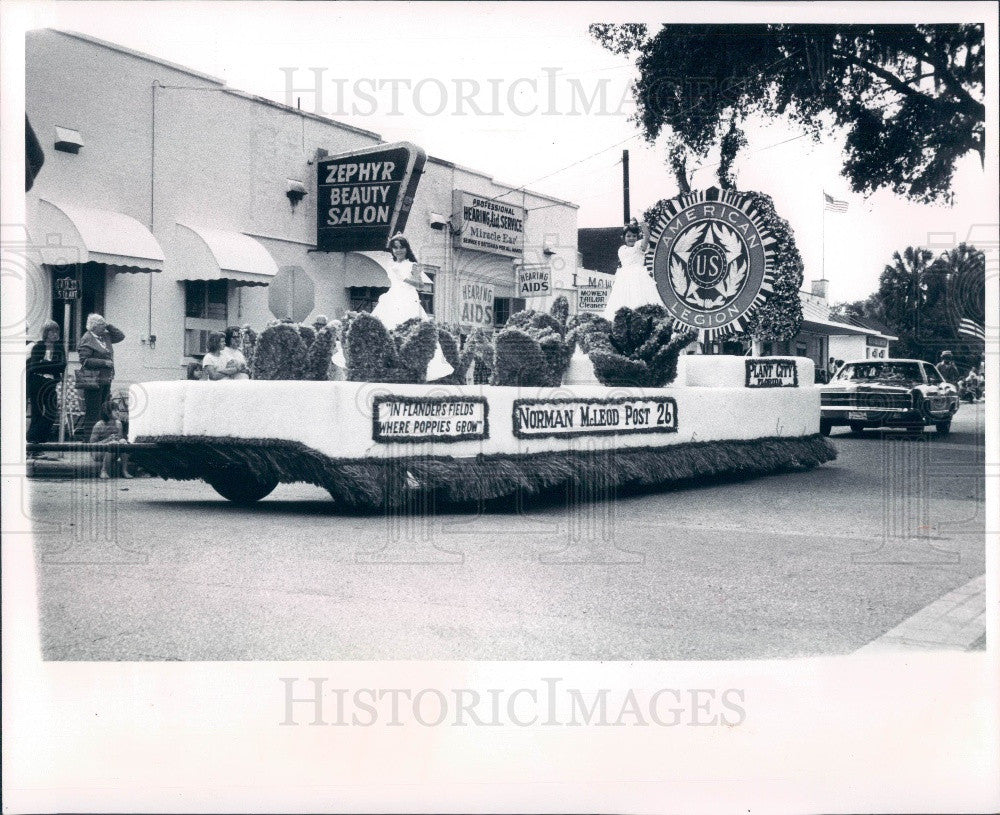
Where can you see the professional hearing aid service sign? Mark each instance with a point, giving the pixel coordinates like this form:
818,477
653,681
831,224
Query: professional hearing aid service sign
363,197
712,261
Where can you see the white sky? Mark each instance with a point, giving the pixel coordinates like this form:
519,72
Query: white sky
575,157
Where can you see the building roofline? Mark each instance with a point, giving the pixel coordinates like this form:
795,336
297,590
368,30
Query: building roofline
445,163
113,46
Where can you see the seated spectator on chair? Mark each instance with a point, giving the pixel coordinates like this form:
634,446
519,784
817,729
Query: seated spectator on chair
106,431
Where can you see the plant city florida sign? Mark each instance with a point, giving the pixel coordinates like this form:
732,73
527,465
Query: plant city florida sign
364,197
712,259
488,224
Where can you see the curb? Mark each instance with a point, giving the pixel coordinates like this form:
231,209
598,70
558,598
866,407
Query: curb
956,621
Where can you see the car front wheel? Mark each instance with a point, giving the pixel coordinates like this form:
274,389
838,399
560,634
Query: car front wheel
825,426
857,427
943,428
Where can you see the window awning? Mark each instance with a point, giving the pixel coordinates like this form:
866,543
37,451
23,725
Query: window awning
72,234
216,254
369,270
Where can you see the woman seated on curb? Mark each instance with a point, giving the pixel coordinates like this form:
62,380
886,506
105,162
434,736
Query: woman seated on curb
107,431
216,364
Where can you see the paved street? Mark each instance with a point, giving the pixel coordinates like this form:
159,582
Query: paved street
819,562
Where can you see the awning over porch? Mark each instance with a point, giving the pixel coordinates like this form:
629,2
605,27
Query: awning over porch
369,270
216,254
69,234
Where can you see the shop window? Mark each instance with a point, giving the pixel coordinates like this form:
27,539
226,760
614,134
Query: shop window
206,309
427,297
503,307
364,298
91,281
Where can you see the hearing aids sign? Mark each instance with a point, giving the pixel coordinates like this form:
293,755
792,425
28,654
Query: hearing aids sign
364,196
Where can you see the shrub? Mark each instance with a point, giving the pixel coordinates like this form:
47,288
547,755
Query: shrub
280,354
320,353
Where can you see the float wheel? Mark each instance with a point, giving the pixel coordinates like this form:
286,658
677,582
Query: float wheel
239,486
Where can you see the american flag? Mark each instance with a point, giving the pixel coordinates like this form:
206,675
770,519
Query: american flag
831,204
972,329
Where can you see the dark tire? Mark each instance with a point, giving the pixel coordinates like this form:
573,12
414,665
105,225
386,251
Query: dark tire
825,427
857,427
943,428
241,487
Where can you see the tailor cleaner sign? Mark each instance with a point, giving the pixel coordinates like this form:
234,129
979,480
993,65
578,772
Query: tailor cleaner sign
364,197
488,224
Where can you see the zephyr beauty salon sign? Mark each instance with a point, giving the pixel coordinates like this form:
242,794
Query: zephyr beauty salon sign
363,197
486,224
535,418
712,259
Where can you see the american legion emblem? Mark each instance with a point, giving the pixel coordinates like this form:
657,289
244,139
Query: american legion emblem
712,259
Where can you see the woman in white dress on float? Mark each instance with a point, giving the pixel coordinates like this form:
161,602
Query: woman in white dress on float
633,285
402,303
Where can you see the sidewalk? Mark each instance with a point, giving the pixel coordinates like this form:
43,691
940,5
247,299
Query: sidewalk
956,621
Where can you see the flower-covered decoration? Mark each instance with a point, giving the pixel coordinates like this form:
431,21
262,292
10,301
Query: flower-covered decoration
248,344
320,353
639,351
375,355
547,332
280,354
780,318
519,360
560,310
308,334
478,355
458,361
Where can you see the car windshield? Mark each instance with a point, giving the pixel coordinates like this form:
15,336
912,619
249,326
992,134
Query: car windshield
880,372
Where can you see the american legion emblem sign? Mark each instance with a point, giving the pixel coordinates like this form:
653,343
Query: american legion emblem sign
712,259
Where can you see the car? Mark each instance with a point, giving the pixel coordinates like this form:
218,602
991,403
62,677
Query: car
906,393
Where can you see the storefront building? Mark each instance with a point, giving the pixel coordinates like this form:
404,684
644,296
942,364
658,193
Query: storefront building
181,206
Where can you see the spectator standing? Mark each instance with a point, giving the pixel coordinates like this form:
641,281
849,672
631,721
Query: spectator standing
97,353
45,370
947,368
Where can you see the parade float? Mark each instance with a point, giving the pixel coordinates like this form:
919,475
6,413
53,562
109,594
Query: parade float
550,400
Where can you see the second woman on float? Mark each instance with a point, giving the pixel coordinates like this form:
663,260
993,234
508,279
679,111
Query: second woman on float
633,285
402,303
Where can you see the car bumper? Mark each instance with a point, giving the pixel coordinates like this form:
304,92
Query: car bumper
888,416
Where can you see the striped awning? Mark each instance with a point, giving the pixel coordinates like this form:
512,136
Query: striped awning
202,253
369,270
72,234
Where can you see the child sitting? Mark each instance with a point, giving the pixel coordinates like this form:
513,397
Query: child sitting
106,431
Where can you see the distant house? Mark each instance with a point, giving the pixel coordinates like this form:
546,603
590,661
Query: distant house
823,336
